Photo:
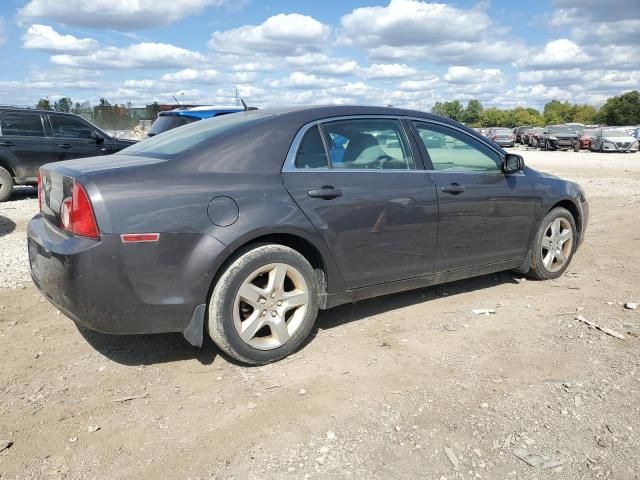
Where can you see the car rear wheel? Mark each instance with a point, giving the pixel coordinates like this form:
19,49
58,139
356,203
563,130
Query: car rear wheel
6,185
554,245
264,305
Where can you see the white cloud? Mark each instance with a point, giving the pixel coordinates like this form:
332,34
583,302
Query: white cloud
43,37
136,56
561,53
305,80
321,63
385,71
466,75
424,83
282,34
192,75
412,23
125,15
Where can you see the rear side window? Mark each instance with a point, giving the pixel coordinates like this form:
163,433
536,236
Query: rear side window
22,124
368,143
69,127
311,153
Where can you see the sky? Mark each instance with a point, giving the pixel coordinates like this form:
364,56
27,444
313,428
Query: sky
406,53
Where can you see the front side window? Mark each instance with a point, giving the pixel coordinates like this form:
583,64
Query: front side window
311,153
22,125
69,127
367,144
451,149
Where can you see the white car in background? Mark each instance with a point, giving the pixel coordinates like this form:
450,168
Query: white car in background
613,140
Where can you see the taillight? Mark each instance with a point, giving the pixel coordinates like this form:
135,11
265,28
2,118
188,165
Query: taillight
76,214
39,191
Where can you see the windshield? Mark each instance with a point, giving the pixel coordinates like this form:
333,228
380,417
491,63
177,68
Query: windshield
562,130
615,133
503,131
589,133
181,139
167,122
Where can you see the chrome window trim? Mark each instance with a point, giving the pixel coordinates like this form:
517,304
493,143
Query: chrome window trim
289,163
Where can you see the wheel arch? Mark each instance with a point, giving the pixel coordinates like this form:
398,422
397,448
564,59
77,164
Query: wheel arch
573,209
4,163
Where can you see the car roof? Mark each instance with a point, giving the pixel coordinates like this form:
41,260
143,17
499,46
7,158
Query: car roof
34,110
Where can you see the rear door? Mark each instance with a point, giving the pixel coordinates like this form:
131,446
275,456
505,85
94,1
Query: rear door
485,215
369,200
24,143
75,138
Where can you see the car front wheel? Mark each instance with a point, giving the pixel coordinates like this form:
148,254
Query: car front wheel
6,185
264,304
554,245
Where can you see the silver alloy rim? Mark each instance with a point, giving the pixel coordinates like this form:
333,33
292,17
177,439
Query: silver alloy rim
270,306
557,244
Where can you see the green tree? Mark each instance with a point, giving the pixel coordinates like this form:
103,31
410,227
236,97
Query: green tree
527,117
493,117
452,110
621,110
585,114
63,105
472,112
44,104
558,112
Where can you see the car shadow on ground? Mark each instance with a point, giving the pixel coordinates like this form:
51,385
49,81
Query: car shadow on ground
172,347
6,226
23,192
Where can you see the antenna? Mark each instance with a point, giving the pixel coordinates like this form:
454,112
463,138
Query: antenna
244,105
174,97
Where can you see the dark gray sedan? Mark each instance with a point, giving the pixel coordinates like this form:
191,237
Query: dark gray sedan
242,227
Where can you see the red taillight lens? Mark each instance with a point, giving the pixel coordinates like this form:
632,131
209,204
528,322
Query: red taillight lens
39,191
76,214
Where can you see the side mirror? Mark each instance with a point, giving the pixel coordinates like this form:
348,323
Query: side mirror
97,137
512,163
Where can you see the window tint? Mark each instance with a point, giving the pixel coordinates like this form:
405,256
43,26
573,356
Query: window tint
69,127
167,122
450,149
22,124
179,140
367,144
311,153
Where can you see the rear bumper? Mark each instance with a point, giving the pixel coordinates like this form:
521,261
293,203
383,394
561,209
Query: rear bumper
121,289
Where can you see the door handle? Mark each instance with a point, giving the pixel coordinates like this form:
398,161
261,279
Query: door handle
6,144
453,189
64,145
325,192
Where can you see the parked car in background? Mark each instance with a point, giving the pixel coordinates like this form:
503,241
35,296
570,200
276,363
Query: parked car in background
184,116
558,137
530,136
584,140
613,140
278,225
502,136
576,127
30,138
518,132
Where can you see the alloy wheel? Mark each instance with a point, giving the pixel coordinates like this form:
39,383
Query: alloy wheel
270,306
557,245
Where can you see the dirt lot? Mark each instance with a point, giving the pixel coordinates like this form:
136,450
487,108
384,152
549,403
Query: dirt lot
410,386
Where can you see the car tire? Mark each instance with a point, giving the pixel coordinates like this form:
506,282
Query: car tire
576,147
256,327
6,185
554,245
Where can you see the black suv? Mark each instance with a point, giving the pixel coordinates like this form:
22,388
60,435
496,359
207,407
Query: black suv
30,138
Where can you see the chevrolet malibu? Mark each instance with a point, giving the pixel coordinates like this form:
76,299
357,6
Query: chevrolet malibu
242,227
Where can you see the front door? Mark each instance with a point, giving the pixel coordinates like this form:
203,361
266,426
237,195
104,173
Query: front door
73,138
485,215
376,211
23,143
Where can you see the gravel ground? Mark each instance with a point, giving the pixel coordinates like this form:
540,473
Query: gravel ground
408,386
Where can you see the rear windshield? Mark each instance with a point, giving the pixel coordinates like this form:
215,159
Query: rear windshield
503,131
179,140
168,122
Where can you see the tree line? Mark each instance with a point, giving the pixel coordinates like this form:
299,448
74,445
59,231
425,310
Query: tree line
619,110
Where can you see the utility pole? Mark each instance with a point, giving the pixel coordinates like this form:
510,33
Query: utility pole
237,94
